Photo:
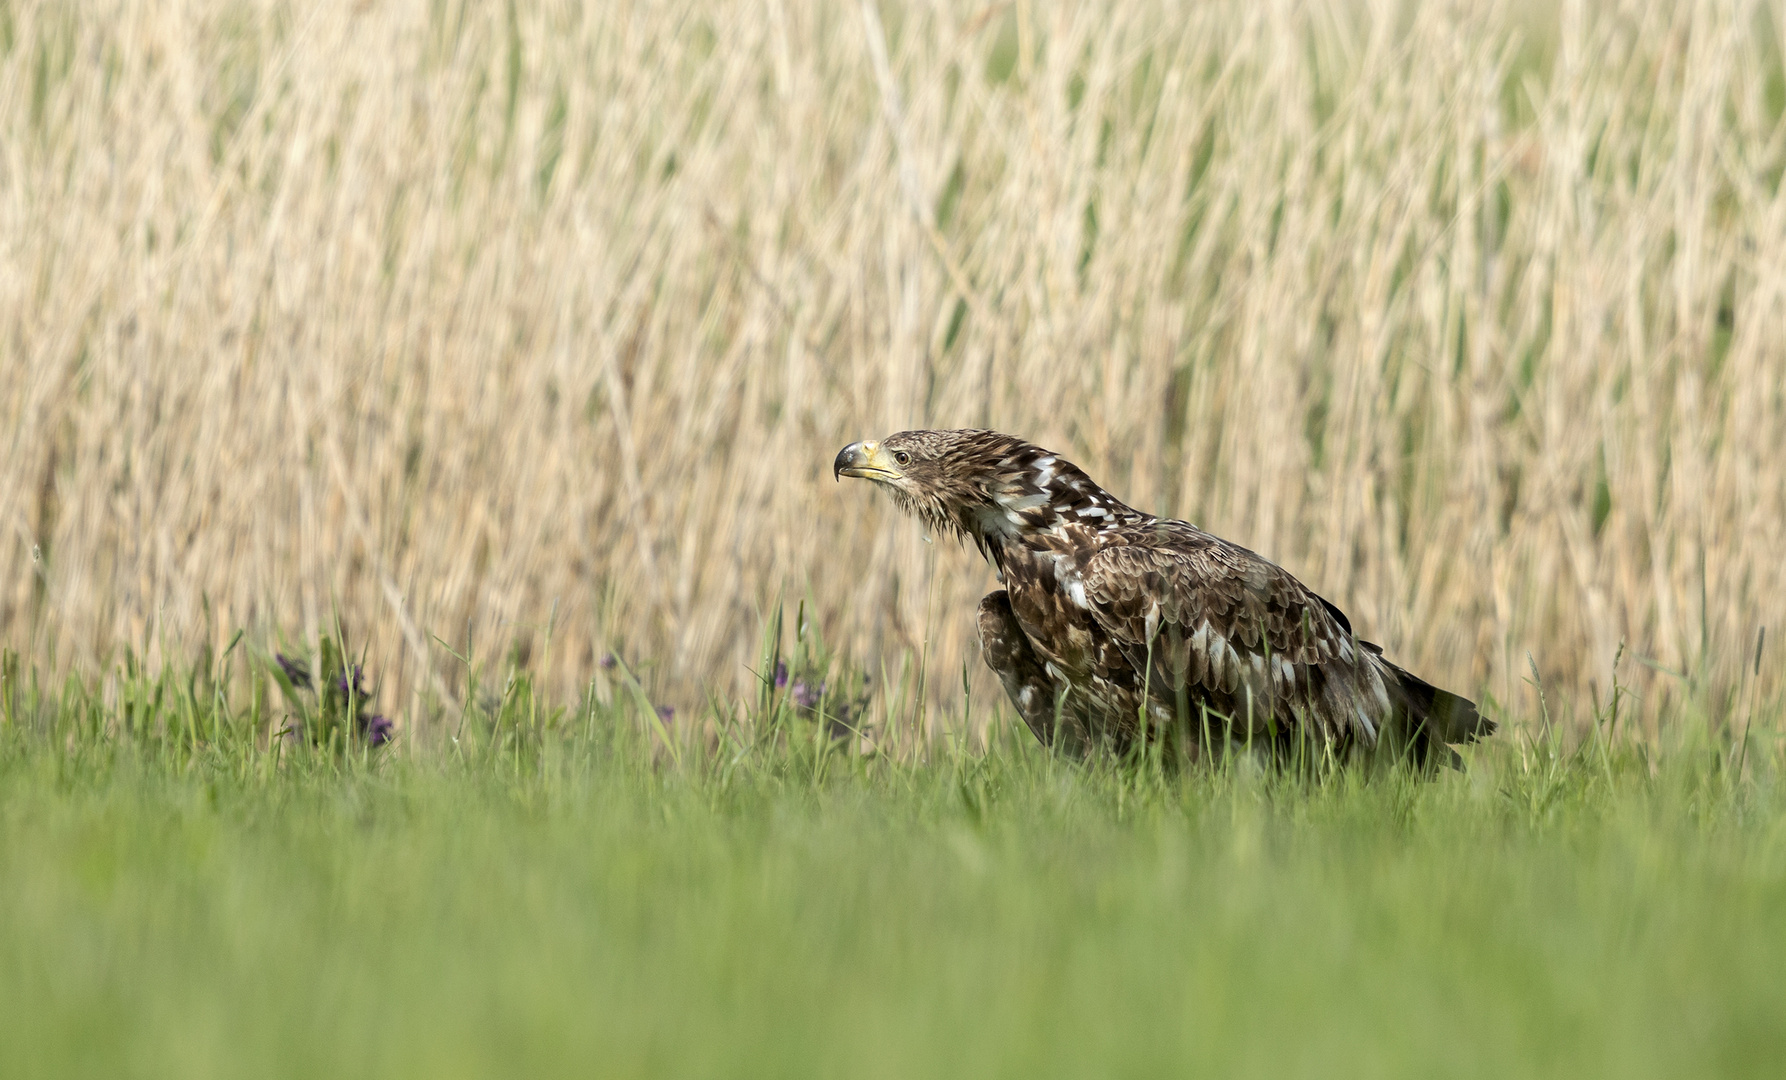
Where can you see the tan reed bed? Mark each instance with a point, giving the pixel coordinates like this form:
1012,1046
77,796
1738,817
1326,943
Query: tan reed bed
448,321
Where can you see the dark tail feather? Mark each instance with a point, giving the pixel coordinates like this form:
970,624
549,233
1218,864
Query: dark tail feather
1431,718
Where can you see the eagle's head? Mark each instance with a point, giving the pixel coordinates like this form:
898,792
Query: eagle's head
979,484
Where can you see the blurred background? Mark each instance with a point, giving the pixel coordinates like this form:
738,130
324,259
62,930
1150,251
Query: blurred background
529,331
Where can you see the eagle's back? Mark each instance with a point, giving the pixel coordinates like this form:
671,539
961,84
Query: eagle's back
1132,609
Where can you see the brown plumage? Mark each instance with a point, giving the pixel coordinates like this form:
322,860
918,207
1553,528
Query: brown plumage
1109,614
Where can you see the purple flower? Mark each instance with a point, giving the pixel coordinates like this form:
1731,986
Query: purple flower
379,730
781,674
666,713
807,697
352,682
609,661
295,670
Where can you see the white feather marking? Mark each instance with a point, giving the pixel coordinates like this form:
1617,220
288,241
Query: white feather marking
1091,512
1076,593
1027,502
1379,694
994,523
1200,650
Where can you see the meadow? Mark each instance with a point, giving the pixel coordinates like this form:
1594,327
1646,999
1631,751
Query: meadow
570,892
512,343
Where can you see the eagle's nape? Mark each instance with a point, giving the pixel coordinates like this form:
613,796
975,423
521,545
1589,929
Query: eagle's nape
1110,615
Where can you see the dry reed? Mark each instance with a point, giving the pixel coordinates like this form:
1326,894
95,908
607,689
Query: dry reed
454,318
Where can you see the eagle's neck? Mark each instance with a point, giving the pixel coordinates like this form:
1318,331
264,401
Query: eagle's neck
1048,505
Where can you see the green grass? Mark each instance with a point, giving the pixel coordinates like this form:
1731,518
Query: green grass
186,899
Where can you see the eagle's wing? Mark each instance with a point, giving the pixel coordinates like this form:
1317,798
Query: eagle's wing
1190,610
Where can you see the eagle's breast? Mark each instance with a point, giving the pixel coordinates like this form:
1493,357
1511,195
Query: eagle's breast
1041,521
1045,577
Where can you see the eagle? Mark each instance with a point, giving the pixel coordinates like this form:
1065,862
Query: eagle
1117,629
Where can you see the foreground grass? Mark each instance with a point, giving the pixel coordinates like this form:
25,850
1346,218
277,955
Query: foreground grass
562,904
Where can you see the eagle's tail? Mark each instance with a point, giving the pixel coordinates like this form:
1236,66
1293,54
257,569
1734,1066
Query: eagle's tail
1429,718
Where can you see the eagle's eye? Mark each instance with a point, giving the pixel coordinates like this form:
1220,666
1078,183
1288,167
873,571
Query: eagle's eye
902,458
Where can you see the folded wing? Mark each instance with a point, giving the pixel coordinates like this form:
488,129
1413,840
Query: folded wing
1211,622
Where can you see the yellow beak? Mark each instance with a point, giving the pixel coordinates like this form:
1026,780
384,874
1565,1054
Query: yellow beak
865,459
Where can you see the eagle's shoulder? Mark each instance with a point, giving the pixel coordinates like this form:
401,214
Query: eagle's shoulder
1168,583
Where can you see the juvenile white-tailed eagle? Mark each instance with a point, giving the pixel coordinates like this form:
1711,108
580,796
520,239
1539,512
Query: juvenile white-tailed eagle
1105,607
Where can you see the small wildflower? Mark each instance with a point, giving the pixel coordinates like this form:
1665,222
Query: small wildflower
781,674
666,713
807,697
352,682
842,722
342,703
295,670
379,730
609,661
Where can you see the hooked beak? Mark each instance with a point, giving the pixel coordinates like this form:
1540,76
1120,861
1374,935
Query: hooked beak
865,459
